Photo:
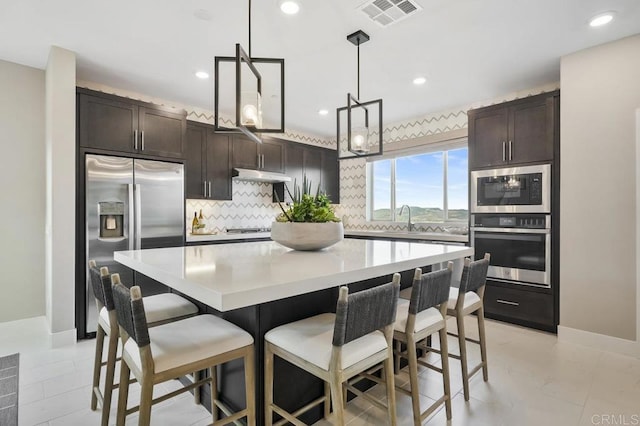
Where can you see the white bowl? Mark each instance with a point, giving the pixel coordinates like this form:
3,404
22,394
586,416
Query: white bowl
307,235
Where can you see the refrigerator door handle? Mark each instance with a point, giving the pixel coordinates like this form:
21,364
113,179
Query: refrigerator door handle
130,190
138,220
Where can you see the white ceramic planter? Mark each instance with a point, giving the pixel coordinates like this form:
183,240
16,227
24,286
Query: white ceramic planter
307,235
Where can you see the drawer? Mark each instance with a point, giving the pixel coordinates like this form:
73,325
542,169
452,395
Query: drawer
519,304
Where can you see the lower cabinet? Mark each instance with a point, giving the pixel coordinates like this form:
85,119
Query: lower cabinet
519,305
207,163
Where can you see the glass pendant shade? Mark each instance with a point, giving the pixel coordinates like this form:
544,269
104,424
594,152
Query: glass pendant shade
251,110
360,140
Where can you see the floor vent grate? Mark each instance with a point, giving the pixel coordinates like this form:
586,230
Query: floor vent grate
388,12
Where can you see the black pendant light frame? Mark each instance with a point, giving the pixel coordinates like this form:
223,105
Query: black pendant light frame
357,38
243,58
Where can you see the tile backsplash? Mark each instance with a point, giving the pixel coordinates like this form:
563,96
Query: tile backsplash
251,207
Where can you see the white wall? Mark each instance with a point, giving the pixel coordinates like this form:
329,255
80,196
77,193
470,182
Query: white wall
22,207
600,94
60,195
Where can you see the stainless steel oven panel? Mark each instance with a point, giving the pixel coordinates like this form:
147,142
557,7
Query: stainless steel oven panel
545,207
518,275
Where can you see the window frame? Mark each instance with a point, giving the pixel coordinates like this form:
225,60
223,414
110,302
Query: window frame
443,147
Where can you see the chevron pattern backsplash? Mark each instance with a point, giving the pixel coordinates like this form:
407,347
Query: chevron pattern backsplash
252,207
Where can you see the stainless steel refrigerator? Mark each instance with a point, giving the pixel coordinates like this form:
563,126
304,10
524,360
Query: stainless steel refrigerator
130,204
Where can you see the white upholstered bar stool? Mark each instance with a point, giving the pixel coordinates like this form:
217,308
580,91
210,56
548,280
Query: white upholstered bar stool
336,347
421,316
161,308
464,301
172,350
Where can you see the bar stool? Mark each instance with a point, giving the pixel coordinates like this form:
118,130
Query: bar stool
336,347
169,351
416,319
464,301
162,308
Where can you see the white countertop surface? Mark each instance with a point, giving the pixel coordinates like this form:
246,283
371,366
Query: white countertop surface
231,276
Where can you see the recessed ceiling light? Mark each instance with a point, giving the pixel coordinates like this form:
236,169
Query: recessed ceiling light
419,81
203,75
323,111
601,19
289,7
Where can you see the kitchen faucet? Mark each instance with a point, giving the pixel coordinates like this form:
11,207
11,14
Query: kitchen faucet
409,224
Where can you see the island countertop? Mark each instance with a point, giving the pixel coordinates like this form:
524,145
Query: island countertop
231,276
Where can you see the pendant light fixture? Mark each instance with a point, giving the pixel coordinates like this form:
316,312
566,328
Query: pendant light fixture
359,124
249,88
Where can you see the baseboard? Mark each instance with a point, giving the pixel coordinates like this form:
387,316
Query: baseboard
599,341
63,338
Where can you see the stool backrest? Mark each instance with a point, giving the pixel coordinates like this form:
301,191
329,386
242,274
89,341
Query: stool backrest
130,311
431,289
361,313
101,285
474,274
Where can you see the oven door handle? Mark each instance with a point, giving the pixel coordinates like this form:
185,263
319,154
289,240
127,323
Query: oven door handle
511,230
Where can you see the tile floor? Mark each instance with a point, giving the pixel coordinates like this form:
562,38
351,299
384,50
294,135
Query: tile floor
533,380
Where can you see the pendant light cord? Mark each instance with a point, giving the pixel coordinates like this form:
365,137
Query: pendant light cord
358,68
249,28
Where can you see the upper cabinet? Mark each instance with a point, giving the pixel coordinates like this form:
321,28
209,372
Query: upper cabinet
207,163
517,132
319,165
268,156
118,124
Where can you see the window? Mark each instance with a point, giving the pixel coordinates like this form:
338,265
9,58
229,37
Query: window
434,184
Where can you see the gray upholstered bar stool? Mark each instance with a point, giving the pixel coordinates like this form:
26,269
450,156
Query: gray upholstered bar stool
465,301
336,347
161,308
172,350
421,316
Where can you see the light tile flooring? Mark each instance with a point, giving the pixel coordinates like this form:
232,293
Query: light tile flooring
533,380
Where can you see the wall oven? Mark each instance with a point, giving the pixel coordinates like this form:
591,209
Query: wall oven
524,189
519,244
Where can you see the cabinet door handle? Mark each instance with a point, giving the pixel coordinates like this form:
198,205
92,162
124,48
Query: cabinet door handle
504,151
204,192
142,139
507,302
510,151
258,161
210,189
135,140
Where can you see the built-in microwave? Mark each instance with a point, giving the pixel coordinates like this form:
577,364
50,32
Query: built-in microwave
525,189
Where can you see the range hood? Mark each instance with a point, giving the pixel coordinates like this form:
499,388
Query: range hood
259,176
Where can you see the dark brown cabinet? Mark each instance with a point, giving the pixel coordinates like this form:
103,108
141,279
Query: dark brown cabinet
516,132
207,163
268,156
118,124
319,165
519,305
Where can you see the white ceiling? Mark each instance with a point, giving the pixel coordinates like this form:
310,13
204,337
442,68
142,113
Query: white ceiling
469,50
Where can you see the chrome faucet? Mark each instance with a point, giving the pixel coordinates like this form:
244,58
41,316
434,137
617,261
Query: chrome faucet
409,224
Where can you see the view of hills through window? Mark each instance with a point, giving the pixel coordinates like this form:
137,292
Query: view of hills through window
421,183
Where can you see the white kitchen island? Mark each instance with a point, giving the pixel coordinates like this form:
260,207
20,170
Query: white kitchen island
261,285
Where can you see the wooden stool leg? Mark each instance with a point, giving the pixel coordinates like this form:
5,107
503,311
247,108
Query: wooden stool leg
97,367
196,391
396,364
250,387
391,388
146,398
463,354
444,356
327,400
123,393
213,375
112,353
483,344
413,379
268,385
336,396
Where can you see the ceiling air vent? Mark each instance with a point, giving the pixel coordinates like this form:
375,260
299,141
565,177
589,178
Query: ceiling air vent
387,12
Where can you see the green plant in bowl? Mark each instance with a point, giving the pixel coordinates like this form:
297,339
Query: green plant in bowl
306,207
